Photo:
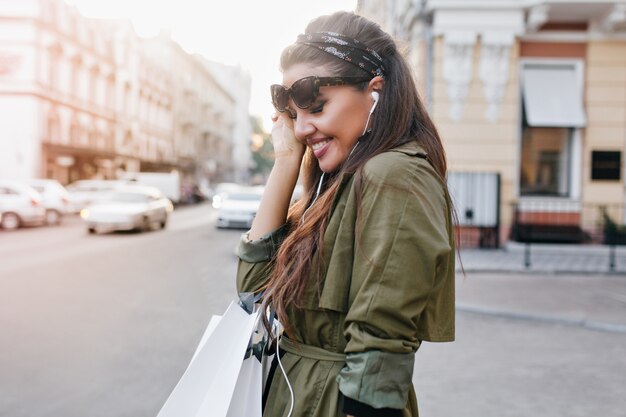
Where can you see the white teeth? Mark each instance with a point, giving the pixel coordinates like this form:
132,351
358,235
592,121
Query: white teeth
319,145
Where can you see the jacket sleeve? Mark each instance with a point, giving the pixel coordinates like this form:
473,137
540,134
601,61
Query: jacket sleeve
255,259
402,289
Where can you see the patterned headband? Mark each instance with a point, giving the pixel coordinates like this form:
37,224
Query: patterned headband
347,49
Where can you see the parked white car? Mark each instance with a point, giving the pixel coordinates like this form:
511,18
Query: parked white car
238,208
85,192
128,208
56,199
20,205
222,190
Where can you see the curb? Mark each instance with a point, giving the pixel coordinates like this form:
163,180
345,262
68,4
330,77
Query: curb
586,324
505,270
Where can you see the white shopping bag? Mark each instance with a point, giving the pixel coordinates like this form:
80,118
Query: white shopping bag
218,375
248,395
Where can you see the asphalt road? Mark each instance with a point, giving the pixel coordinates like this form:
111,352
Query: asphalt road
103,326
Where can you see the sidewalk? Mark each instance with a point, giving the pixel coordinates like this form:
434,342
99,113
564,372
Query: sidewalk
592,301
529,344
550,258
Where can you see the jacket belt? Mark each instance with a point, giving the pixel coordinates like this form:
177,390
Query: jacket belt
310,352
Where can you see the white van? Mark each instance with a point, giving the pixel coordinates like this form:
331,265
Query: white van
166,182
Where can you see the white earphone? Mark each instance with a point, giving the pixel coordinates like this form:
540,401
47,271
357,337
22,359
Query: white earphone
376,97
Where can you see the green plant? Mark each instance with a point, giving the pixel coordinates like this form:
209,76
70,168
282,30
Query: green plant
609,225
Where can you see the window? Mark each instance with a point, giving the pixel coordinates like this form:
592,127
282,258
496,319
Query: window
110,91
552,112
54,127
54,62
75,75
126,104
7,191
545,162
93,84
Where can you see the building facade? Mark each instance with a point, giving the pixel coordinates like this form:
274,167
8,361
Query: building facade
204,113
533,91
56,93
88,98
238,84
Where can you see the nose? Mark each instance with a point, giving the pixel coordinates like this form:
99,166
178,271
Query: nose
303,126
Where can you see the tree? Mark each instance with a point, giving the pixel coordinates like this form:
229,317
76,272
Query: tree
262,150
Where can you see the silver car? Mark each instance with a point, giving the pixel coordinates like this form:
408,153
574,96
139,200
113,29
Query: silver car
55,199
128,208
85,192
20,205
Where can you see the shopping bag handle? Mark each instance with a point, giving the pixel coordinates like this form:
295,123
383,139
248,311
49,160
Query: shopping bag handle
247,300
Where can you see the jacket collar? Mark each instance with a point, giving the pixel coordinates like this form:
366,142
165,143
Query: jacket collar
411,148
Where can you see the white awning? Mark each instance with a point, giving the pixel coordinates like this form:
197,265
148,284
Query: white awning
552,96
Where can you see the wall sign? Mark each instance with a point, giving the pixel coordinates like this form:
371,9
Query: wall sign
606,165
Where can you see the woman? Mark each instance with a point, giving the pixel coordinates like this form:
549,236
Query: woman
360,270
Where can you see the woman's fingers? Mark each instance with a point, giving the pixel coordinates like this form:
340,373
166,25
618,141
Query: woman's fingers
283,138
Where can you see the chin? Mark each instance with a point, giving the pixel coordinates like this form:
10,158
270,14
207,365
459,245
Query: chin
331,162
328,169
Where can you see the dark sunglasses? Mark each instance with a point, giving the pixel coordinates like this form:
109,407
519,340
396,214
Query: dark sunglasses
304,91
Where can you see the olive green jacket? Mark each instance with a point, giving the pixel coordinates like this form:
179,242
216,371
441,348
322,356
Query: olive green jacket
388,286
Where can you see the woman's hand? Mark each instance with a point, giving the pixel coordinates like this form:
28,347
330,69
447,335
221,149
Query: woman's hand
272,212
284,140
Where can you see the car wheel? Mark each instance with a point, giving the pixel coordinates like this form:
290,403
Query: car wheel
10,221
146,226
163,223
91,230
53,217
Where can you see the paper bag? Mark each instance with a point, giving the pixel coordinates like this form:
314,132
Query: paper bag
218,375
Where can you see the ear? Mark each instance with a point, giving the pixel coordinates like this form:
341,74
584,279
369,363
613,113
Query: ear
376,84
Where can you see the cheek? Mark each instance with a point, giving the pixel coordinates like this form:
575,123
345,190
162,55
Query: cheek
346,117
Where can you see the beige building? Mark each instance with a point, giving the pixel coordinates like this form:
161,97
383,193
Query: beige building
238,83
534,91
144,104
203,112
87,98
57,79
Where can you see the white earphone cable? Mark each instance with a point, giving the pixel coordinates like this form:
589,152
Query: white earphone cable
285,375
367,123
317,194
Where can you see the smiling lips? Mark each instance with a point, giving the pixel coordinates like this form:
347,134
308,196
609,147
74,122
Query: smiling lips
319,147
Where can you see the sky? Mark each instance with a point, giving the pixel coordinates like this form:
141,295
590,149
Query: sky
250,33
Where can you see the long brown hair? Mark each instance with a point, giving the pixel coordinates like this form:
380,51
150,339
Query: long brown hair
400,117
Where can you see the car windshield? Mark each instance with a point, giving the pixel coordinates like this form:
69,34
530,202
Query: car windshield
91,186
128,197
244,197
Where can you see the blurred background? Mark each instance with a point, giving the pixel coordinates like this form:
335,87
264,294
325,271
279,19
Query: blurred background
134,147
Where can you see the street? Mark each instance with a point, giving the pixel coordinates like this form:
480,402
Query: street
103,326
